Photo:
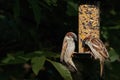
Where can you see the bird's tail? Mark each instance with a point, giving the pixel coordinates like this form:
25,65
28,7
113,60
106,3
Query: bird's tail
71,66
101,68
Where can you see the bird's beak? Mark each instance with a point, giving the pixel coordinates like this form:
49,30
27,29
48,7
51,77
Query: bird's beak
75,38
83,43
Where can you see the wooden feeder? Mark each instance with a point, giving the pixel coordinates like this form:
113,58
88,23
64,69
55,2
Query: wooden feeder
89,21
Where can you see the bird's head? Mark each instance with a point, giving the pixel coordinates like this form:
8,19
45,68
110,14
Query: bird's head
72,35
86,40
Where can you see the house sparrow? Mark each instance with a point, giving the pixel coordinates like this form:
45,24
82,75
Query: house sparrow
98,50
68,49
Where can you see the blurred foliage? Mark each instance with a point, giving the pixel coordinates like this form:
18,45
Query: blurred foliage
36,60
32,32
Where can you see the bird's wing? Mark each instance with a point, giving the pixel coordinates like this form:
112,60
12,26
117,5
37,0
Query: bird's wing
64,46
99,50
98,45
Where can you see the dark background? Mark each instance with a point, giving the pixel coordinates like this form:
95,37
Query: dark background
31,25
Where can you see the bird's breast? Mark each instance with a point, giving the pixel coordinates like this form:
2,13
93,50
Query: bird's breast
71,44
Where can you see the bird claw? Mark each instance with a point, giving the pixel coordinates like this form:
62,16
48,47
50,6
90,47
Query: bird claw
89,52
75,52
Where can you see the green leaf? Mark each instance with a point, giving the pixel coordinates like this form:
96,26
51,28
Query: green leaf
47,54
72,8
37,64
51,2
38,52
64,72
113,12
113,55
8,59
104,34
36,10
51,54
16,9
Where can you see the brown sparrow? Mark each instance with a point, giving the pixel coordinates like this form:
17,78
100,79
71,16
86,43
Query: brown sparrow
98,50
68,49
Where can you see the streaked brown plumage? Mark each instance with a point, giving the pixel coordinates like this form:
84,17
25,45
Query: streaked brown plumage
98,50
68,49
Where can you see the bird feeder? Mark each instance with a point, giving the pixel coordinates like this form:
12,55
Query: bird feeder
88,21
88,24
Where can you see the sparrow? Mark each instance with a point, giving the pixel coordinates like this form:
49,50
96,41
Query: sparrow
68,49
97,50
